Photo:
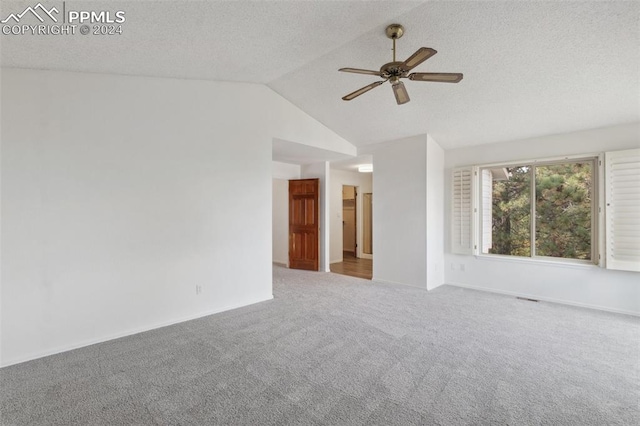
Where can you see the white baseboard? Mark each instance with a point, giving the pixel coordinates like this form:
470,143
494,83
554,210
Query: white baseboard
336,261
374,279
283,264
545,299
66,348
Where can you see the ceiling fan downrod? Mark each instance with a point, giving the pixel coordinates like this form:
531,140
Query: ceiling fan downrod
394,32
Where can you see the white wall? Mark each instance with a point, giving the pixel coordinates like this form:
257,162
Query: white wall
408,186
300,127
435,214
280,222
321,171
281,173
364,182
285,171
579,285
121,194
399,211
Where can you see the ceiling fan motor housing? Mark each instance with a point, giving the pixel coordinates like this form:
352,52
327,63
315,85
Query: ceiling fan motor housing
393,69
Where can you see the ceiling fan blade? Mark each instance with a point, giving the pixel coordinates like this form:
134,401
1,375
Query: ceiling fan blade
362,90
417,58
359,71
440,77
402,97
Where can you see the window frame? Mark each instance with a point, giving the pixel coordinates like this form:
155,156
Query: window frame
597,207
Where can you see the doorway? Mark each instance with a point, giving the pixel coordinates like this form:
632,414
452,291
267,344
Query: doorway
356,240
349,221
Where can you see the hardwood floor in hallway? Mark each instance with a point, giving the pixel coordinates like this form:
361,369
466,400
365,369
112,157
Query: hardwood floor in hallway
353,266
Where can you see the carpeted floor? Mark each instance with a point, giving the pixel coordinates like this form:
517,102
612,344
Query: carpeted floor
336,350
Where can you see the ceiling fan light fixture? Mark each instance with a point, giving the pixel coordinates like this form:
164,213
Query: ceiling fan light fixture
400,92
365,168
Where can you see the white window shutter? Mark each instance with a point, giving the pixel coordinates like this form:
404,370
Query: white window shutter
461,210
622,188
487,210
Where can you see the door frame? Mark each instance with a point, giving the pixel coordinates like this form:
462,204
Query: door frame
361,253
356,208
364,255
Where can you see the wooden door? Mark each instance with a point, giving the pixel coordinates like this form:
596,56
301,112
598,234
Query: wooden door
303,224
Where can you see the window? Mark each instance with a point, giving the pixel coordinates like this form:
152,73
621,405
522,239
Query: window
551,210
539,210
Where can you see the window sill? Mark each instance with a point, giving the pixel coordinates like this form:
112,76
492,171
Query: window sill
537,261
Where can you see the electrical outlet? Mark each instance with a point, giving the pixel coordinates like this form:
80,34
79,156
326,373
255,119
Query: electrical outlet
198,289
453,266
462,267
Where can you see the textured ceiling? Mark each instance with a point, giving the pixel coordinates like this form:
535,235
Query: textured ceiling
531,68
249,41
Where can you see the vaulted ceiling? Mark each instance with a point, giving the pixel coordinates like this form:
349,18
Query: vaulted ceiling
530,68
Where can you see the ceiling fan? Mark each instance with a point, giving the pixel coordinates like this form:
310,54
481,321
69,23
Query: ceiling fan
394,71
